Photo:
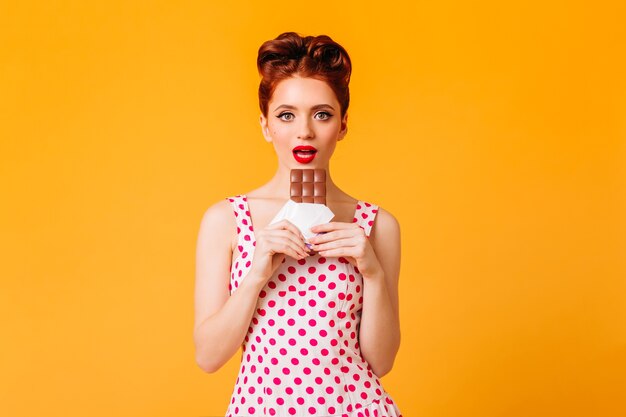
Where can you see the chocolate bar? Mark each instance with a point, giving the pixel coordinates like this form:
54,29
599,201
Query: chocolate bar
308,186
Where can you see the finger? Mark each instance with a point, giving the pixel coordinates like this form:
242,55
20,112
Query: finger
286,233
285,245
327,227
340,243
342,251
330,236
286,224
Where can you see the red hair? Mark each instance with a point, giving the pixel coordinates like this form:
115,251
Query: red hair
311,56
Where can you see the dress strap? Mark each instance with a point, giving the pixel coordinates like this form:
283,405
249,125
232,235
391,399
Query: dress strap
364,216
242,217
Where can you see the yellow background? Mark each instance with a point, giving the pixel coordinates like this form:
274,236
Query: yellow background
494,131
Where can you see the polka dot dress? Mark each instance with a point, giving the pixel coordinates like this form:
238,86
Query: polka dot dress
301,355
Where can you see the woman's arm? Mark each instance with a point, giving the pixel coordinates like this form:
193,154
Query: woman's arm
221,320
379,334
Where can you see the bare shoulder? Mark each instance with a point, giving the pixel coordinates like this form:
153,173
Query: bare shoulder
218,223
386,227
221,208
385,240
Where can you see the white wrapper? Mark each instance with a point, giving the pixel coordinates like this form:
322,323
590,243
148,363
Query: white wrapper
304,216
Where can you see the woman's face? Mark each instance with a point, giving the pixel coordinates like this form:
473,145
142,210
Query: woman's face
304,112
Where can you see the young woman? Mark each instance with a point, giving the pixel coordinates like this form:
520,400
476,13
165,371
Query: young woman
317,329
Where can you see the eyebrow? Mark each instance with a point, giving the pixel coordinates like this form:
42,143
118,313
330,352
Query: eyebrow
317,106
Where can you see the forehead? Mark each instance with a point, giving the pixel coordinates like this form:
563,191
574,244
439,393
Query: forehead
303,92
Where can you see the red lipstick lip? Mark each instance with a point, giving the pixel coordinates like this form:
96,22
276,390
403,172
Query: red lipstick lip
307,158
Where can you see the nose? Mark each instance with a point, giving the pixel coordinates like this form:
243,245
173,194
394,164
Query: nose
305,130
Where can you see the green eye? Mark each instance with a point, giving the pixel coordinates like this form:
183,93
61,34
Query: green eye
281,116
325,114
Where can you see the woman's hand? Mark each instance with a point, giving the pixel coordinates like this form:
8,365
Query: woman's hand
272,245
349,241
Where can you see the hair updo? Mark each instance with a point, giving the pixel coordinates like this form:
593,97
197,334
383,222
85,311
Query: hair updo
311,56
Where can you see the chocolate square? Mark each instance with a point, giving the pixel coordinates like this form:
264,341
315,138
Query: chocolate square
308,186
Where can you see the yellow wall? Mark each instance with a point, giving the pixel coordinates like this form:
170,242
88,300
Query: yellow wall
494,131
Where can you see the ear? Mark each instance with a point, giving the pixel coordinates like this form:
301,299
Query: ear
344,126
265,128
